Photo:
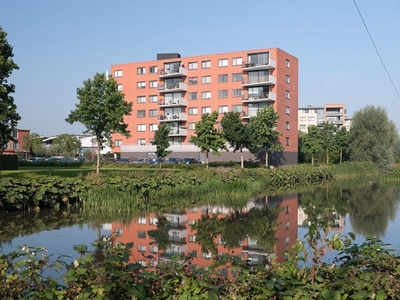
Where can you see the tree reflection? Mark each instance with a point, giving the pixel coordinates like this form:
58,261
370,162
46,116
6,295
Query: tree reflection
371,208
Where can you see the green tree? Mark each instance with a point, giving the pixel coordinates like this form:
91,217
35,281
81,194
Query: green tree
312,142
207,137
8,110
33,142
69,144
101,110
161,140
263,134
342,141
328,132
235,132
373,137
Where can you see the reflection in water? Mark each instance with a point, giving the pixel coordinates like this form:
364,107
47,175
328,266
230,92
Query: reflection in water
259,232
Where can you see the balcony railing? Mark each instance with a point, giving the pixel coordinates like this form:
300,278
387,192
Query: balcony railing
170,88
266,80
173,118
178,132
180,72
177,240
263,65
260,97
172,102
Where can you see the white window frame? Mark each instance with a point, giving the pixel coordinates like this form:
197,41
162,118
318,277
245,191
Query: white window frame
223,109
141,99
117,73
237,61
223,94
153,83
206,110
223,62
141,70
153,98
206,79
206,64
206,95
193,65
141,84
193,111
141,127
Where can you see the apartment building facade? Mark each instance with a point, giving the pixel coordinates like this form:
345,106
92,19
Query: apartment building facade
178,90
316,115
15,147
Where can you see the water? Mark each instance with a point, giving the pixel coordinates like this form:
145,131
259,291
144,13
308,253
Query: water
262,230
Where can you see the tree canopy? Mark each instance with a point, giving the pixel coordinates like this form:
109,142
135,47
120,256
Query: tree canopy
8,110
101,110
161,140
235,133
69,144
263,133
373,137
207,137
312,142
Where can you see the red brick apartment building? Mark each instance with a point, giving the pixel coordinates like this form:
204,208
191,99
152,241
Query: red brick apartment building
178,90
182,236
15,147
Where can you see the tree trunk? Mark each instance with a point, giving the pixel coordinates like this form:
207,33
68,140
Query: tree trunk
341,155
207,160
266,158
327,156
312,160
241,159
98,160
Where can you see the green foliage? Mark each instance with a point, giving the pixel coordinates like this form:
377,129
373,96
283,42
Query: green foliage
263,134
328,133
69,144
342,143
101,110
8,110
312,142
356,169
8,162
33,142
373,137
207,137
161,140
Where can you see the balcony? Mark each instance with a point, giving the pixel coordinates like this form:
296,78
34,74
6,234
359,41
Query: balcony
178,132
171,88
251,66
250,113
261,97
173,118
333,113
172,102
260,81
180,72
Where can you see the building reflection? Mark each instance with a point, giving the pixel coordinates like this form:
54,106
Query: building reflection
176,232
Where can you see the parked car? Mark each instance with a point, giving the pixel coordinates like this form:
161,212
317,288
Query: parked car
123,160
138,161
172,160
190,160
155,161
36,159
66,159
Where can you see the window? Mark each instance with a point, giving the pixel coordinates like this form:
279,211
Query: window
287,224
237,61
153,221
287,109
302,126
287,141
193,253
310,118
287,240
193,111
192,80
119,87
287,94
153,112
141,70
15,133
206,95
117,143
192,126
222,78
141,234
205,79
141,99
153,98
222,109
192,95
223,62
302,119
236,93
193,65
237,108
153,83
236,77
287,63
192,238
222,94
287,126
153,69
287,209
141,248
142,262
192,222
206,110
141,113
15,145
287,79
206,64
141,127
118,73
141,84
141,141
153,127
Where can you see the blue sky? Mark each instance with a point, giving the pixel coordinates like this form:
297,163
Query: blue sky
58,44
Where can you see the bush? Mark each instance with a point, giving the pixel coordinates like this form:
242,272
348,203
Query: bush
8,162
